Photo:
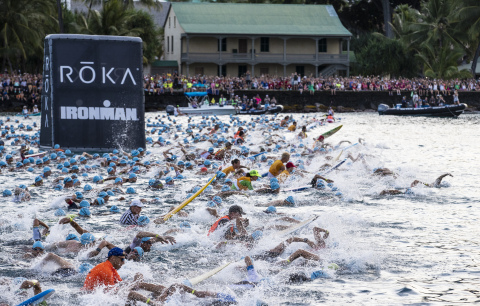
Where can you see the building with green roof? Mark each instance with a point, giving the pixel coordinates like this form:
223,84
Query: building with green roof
265,39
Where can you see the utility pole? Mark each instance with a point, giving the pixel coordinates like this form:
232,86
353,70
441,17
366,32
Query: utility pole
60,17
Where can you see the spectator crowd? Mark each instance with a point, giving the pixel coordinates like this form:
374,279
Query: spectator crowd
23,88
26,88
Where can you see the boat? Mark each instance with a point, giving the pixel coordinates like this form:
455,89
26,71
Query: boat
204,108
33,114
270,110
453,110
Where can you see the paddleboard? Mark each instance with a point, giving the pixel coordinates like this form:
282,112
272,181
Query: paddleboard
36,154
297,189
34,114
187,201
329,133
338,165
296,227
338,157
37,299
206,275
258,154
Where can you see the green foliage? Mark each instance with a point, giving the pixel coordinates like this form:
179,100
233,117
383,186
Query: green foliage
23,24
151,35
377,55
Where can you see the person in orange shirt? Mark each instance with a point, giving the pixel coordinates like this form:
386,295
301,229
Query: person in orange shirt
277,167
282,177
236,168
293,127
105,273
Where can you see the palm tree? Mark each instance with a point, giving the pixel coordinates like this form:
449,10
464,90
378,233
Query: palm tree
469,15
23,24
445,65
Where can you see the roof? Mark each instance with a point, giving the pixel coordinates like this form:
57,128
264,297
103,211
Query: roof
259,19
159,16
165,64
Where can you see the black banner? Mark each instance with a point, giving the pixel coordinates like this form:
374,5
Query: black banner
96,92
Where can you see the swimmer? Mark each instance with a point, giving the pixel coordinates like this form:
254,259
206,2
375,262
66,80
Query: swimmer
245,182
235,168
318,244
236,230
437,182
130,216
277,167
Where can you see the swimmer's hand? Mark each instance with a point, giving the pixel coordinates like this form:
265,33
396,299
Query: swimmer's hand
167,239
65,220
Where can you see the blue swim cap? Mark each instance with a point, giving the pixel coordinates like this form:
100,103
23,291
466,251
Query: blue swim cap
225,188
207,163
274,185
140,251
211,204
185,224
114,209
97,179
100,201
85,212
67,179
85,268
46,169
118,180
168,179
58,187
38,244
257,234
72,237
84,204
30,169
110,193
132,175
102,194
271,210
87,238
143,220
318,274
87,187
270,162
290,199
217,199
38,179
321,184
60,212
195,189
116,252
130,190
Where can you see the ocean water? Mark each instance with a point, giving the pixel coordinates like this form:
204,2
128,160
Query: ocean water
417,248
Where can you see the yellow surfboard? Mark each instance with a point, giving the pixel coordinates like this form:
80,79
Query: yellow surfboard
187,201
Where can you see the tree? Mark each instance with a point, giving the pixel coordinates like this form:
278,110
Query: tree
24,24
469,15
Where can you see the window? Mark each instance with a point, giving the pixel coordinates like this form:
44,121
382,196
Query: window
169,21
222,70
242,70
224,45
198,70
172,43
322,45
174,21
264,44
300,70
168,44
263,71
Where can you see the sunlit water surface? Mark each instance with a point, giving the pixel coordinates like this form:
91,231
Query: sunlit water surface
405,249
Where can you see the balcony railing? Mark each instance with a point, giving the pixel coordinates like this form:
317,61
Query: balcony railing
263,58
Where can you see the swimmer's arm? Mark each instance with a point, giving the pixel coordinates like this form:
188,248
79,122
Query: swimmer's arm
240,227
32,283
102,244
111,178
87,155
438,181
74,224
289,219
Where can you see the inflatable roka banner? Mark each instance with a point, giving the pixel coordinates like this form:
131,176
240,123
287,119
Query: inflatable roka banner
92,94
